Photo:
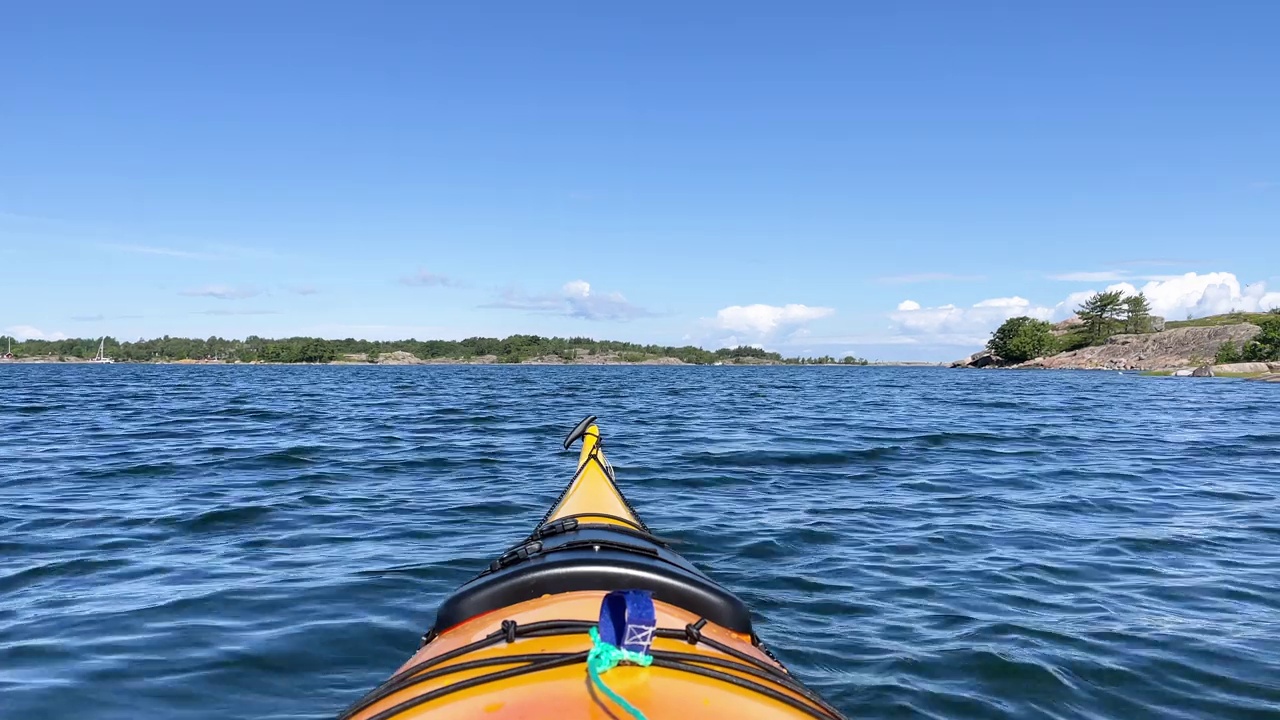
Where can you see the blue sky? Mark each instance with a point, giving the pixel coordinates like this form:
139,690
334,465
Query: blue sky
890,181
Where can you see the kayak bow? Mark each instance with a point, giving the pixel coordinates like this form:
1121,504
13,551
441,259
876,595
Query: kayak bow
591,616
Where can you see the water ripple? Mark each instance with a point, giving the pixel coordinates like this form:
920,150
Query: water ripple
267,542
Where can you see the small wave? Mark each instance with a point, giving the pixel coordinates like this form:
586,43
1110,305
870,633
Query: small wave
79,567
36,409
943,439
776,459
135,471
226,519
295,457
257,414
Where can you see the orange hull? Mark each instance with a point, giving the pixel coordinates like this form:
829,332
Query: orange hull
526,659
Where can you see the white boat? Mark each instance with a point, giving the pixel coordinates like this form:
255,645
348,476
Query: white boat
101,357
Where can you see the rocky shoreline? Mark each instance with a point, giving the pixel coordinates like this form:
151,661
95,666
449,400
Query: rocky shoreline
401,358
1182,351
580,358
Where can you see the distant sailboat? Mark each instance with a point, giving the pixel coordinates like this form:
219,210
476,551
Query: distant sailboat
101,357
8,353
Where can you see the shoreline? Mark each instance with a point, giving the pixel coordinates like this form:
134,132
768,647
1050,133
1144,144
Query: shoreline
1177,348
659,362
1218,371
401,358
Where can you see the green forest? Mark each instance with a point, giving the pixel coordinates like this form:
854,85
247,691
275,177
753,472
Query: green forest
513,349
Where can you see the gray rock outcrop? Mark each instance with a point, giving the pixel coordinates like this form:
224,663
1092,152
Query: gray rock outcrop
1067,326
399,357
982,359
1248,367
1181,347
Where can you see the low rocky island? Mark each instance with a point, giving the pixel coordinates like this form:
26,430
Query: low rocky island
400,357
512,350
1230,345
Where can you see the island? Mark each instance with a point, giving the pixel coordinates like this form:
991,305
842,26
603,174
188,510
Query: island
515,349
1111,331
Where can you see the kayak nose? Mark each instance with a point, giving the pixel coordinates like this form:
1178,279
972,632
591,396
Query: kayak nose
579,430
592,493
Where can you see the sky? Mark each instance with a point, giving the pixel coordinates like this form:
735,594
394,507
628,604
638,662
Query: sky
889,180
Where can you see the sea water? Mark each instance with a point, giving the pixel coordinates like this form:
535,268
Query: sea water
270,542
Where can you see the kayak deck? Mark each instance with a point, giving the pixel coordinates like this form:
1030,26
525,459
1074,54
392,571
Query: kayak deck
560,689
513,642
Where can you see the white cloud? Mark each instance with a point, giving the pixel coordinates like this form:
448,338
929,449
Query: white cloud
576,299
1177,296
1208,294
27,332
952,325
1007,302
1173,297
1067,307
1100,276
576,289
425,278
223,292
824,342
513,298
760,324
584,303
767,320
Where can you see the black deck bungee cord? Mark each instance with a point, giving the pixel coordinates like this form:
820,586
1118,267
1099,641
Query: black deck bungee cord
553,661
536,662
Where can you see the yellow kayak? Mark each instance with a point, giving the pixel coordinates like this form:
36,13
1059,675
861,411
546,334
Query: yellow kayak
591,616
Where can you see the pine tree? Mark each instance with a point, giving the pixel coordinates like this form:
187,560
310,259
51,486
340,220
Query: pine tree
1101,315
1137,314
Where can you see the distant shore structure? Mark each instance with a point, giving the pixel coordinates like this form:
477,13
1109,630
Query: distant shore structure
101,357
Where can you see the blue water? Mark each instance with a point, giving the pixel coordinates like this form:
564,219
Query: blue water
269,542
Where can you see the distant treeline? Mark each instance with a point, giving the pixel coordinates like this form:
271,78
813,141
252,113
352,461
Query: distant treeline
513,349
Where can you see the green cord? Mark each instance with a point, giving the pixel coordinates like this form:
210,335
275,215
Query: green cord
604,657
